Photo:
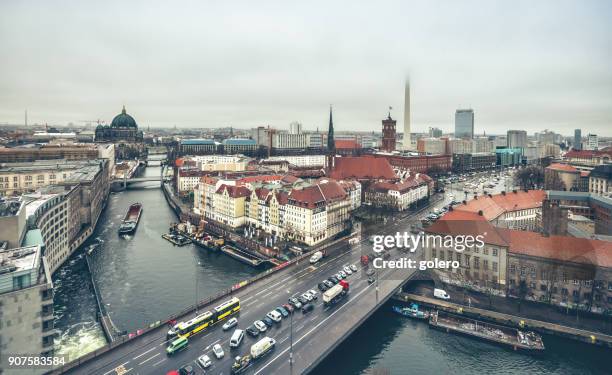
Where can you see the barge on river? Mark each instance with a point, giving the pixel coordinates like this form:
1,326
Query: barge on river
505,336
131,219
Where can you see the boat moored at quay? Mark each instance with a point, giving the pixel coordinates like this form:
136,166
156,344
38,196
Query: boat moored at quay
505,336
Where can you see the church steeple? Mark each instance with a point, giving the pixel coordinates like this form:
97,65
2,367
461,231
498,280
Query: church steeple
331,144
123,110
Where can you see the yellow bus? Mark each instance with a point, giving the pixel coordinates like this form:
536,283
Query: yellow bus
205,320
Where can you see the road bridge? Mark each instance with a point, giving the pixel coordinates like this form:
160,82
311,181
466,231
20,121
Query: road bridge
305,338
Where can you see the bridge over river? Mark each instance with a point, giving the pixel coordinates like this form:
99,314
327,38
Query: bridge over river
307,338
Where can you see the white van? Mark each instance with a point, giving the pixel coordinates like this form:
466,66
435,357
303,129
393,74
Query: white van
236,339
441,293
316,257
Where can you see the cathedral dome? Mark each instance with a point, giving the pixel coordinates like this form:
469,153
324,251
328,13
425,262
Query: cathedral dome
123,120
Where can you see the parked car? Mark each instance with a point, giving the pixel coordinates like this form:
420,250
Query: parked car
370,272
303,300
268,322
186,370
333,280
353,267
289,308
343,274
253,330
347,270
233,322
282,311
313,293
328,284
371,280
294,301
307,296
261,326
322,287
275,316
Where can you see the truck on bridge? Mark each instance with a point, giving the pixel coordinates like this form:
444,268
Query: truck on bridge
335,293
258,350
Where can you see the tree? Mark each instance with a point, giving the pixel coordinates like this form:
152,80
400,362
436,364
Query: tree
554,182
530,177
435,170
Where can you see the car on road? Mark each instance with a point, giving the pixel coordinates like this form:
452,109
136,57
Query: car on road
371,280
274,316
186,370
236,338
282,311
267,321
353,267
233,322
328,283
204,361
289,308
261,326
172,332
253,330
322,287
308,308
294,301
218,350
313,293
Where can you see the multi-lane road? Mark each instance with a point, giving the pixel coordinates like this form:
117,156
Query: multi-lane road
312,336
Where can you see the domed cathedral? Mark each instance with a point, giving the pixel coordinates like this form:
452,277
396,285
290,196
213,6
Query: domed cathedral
123,129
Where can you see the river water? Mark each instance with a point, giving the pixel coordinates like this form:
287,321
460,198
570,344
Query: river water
144,278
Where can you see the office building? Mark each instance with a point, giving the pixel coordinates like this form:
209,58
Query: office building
435,132
592,142
517,138
577,139
464,123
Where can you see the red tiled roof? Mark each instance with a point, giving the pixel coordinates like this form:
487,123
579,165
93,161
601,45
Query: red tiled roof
468,223
346,144
190,173
262,193
234,191
310,196
362,168
496,205
282,197
289,179
209,180
260,178
563,248
587,154
409,183
562,167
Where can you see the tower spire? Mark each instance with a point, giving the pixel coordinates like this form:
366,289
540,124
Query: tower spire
331,144
123,110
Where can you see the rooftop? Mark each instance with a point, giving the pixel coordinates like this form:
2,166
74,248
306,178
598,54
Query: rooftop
362,167
239,142
197,142
495,205
562,168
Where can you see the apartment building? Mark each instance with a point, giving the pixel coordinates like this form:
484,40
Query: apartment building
26,301
398,196
515,210
229,205
600,180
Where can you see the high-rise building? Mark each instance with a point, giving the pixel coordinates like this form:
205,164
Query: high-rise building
517,138
435,132
577,139
295,128
406,142
592,142
464,123
388,141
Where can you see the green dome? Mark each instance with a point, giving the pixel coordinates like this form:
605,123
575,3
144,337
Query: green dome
123,120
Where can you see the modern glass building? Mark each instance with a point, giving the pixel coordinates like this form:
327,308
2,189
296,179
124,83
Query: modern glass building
577,139
464,123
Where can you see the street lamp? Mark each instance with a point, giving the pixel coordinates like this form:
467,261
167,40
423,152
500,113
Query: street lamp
291,341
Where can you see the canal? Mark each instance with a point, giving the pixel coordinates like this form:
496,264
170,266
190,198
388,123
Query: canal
144,278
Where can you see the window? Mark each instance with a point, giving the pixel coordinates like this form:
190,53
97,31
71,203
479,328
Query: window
485,264
495,266
494,252
476,262
512,269
485,251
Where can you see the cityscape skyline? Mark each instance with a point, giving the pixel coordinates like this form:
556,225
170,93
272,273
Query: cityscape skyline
268,78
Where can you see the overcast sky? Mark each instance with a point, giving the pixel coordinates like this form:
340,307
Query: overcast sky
522,65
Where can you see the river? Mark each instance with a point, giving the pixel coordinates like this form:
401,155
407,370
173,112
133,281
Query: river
144,278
